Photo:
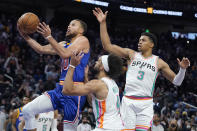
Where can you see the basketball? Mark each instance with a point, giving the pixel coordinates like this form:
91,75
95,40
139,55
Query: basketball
28,22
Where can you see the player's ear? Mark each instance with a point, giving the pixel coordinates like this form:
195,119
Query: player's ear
81,30
151,44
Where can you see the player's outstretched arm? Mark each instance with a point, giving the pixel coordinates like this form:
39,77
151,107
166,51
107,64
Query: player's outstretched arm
82,42
47,49
107,45
83,89
176,79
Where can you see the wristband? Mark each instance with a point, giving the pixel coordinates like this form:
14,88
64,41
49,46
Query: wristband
48,37
72,66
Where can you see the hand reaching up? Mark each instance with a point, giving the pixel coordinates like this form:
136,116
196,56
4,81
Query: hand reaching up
101,17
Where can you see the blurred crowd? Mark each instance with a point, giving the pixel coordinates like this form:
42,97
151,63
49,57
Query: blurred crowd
23,72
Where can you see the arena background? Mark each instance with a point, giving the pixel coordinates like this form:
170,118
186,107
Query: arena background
173,21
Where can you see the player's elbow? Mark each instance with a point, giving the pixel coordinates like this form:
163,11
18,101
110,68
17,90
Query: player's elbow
66,91
106,47
41,51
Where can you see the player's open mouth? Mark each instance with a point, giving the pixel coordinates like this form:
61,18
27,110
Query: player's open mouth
68,31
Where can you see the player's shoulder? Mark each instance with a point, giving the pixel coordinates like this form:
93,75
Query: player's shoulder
82,43
15,113
130,52
82,39
161,63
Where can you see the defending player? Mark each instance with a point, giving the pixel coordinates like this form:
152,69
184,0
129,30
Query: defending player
104,91
143,68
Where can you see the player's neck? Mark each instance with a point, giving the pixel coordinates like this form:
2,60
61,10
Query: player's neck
147,54
74,38
101,75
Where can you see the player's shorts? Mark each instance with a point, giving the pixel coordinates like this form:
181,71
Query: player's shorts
137,113
70,105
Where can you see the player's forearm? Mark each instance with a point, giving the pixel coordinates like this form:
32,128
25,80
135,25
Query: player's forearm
35,45
104,36
59,49
178,79
68,82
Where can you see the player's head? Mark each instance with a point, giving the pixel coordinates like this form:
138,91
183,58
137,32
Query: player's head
111,64
147,41
76,27
26,100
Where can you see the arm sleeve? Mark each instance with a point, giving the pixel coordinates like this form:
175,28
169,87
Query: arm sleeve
178,79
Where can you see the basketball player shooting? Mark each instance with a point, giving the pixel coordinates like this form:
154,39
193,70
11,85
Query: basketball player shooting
54,99
143,68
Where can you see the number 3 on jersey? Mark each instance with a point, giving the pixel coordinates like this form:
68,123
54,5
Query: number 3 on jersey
140,75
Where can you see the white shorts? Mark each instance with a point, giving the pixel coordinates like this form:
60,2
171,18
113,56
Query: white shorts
137,114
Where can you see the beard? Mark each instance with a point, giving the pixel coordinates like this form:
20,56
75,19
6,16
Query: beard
70,36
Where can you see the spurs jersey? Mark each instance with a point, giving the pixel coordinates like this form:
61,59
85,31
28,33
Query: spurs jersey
141,76
44,121
107,112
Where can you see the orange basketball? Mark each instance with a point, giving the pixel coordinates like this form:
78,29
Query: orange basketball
28,22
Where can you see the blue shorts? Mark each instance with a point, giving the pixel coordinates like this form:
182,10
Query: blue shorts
70,105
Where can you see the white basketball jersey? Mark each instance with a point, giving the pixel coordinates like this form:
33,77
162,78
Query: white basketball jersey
141,76
44,121
107,112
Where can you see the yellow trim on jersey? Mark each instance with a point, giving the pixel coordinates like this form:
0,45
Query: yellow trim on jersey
18,112
75,83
